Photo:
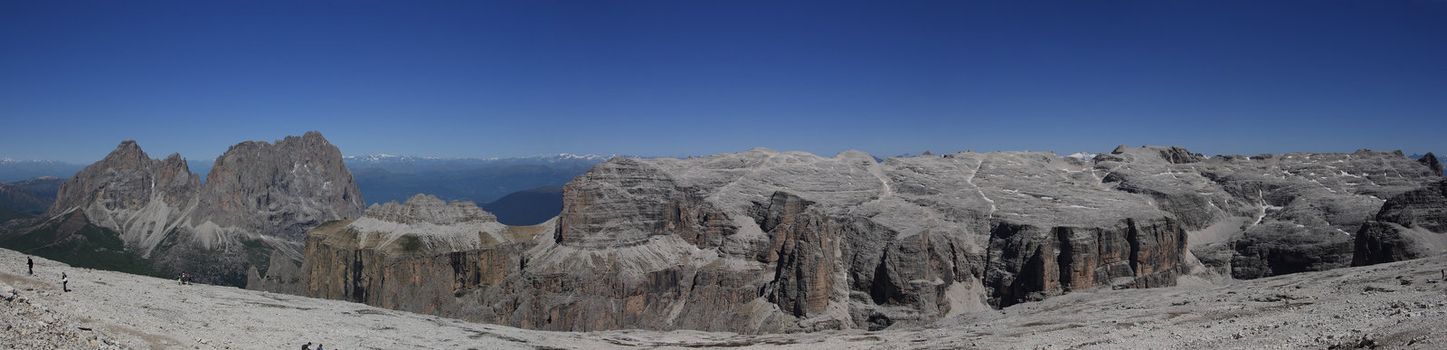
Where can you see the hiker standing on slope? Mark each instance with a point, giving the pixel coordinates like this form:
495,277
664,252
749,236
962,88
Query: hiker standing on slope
29,266
64,282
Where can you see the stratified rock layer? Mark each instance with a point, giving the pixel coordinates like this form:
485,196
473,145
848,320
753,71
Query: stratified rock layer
1409,226
1268,215
764,241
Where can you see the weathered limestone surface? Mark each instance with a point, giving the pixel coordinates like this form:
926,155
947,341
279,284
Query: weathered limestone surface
1409,226
764,241
1267,215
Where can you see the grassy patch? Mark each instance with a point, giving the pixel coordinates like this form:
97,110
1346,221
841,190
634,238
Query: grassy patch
258,254
89,246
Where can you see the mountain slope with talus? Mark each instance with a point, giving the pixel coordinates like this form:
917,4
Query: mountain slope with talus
157,217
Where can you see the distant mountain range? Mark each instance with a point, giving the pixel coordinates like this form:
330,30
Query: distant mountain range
16,170
384,178
27,198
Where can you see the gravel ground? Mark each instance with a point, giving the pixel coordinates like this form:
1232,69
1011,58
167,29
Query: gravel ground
1399,305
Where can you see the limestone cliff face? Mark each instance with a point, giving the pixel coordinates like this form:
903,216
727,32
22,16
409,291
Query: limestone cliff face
1267,215
257,202
279,189
421,256
1030,263
1409,226
764,241
128,192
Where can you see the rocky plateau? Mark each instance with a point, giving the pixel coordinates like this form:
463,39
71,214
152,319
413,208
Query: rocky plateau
767,242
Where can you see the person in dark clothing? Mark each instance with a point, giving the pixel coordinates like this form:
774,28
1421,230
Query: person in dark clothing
30,266
307,346
64,282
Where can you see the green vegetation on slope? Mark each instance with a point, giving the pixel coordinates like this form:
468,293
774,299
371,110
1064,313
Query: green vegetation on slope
86,246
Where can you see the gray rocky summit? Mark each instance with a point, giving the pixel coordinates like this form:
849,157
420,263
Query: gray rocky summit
257,202
140,198
279,189
1430,160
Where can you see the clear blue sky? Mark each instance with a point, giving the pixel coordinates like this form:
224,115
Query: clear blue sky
493,78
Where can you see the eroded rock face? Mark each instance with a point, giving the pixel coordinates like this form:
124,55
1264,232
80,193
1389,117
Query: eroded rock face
1430,160
141,198
1034,263
421,256
764,241
1267,215
1409,226
280,189
257,202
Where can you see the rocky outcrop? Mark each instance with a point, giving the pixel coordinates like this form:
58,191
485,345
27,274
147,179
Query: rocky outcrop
421,256
258,200
1409,226
141,198
1266,215
1425,207
1033,263
1177,155
279,189
764,241
1430,160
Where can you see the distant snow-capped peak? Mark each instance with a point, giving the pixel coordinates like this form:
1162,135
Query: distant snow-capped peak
7,160
384,157
583,156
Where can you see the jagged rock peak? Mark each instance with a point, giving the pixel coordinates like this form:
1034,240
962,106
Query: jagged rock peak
127,150
125,179
295,184
429,209
1178,155
309,139
175,161
1430,160
1170,154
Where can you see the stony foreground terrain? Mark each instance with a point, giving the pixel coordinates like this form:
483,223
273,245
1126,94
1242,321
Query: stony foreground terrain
1395,305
